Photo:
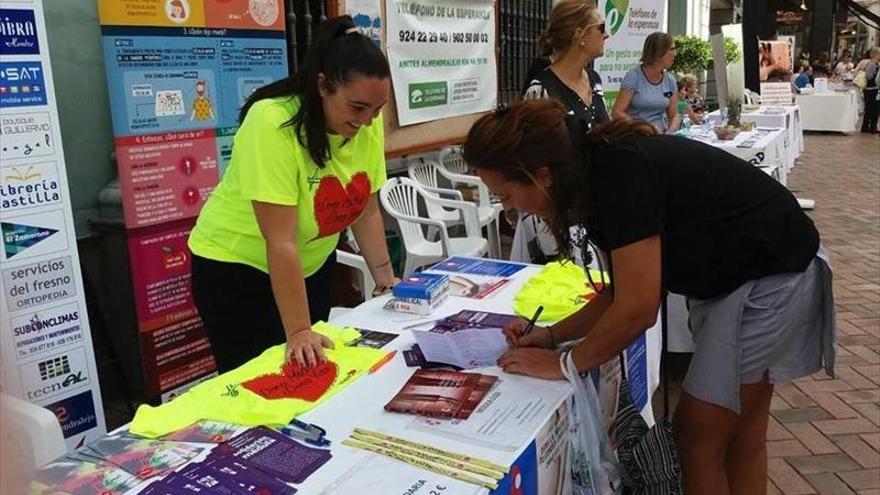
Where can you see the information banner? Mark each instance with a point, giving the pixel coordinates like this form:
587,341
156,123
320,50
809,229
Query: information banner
628,23
775,70
173,339
46,353
178,72
442,56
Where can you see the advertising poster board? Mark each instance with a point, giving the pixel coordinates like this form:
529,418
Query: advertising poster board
775,71
442,57
46,353
628,23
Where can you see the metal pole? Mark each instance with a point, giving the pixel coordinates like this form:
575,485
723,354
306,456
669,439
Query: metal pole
323,8
307,23
292,64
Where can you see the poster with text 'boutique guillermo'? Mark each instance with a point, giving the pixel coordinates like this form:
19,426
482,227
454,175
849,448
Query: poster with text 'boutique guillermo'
178,71
46,353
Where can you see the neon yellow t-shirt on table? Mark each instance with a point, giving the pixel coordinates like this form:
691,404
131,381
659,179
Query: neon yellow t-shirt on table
269,165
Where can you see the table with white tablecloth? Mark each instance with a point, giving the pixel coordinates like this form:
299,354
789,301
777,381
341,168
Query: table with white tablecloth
762,147
784,117
521,423
836,111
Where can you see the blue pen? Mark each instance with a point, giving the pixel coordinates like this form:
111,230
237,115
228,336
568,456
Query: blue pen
307,432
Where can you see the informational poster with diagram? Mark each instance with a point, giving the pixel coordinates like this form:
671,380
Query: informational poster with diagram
46,353
442,56
178,72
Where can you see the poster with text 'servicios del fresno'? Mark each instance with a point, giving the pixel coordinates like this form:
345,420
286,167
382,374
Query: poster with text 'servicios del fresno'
178,72
46,353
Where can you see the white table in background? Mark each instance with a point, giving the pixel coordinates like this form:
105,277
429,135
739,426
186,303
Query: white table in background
836,111
785,117
768,152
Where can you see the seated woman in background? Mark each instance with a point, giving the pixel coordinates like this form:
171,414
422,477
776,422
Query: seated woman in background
804,77
649,91
688,101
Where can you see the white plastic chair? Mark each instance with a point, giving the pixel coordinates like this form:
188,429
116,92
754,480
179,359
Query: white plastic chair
357,262
457,171
31,434
400,197
751,97
427,174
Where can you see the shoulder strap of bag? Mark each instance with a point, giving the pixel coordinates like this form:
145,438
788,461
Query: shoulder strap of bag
664,353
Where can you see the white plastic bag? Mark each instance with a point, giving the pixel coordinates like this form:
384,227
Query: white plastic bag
592,464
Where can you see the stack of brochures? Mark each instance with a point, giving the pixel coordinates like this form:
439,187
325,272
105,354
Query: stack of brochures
441,394
420,293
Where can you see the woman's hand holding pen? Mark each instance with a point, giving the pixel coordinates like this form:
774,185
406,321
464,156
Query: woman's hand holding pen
539,337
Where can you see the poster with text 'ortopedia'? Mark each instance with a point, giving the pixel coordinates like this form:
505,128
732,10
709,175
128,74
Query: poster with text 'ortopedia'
178,71
442,56
628,23
46,354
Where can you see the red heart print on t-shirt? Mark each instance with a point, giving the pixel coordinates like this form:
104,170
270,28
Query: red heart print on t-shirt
295,382
336,208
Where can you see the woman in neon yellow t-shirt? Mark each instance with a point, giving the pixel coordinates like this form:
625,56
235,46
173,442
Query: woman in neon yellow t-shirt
307,162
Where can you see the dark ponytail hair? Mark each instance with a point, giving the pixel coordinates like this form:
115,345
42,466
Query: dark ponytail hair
339,52
518,140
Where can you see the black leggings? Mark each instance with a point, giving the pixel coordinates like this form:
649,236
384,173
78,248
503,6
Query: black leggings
872,106
238,308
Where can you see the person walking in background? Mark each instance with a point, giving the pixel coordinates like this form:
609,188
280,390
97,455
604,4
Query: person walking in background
649,91
869,120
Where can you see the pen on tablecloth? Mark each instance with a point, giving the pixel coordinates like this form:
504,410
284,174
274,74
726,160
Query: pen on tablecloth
433,450
436,458
532,322
415,461
382,362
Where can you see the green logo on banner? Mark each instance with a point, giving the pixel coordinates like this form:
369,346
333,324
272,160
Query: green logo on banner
427,94
615,13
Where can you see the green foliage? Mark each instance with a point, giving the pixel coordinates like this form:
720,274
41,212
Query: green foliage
693,55
731,50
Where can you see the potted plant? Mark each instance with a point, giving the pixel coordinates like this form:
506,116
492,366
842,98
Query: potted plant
734,114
